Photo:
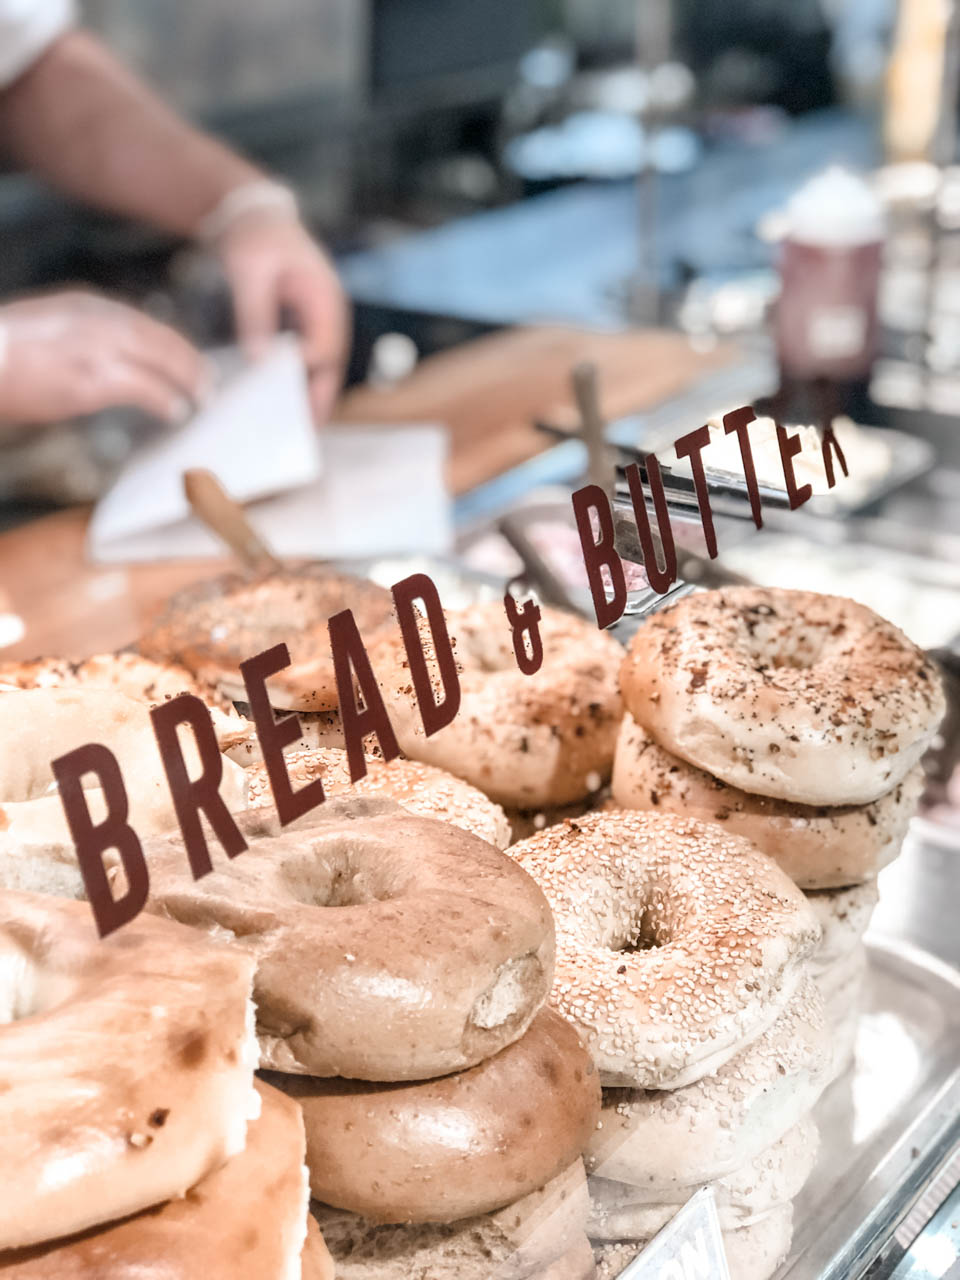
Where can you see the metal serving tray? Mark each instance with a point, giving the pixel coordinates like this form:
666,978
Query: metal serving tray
889,1123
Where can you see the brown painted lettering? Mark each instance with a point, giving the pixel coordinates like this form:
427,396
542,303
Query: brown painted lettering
661,580
691,446
601,554
93,839
435,715
525,622
830,445
790,446
193,795
349,659
738,421
275,733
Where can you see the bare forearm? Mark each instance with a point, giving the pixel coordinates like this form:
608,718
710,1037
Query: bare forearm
91,128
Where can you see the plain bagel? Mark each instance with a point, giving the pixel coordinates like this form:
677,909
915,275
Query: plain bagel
419,788
527,741
246,1220
466,1144
388,946
37,852
677,944
126,1065
818,846
803,697
512,1244
211,627
661,1141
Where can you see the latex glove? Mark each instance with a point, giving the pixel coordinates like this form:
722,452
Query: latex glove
64,355
273,264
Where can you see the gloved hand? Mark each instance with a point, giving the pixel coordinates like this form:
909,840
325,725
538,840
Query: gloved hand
271,262
63,355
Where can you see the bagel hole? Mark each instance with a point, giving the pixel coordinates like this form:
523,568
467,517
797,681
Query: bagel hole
647,934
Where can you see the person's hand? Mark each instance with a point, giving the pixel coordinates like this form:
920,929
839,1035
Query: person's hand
64,355
272,264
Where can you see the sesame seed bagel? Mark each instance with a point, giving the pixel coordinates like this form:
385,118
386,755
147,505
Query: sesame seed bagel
211,627
37,726
527,741
419,788
388,946
844,916
466,1144
676,943
707,1130
512,1244
790,694
126,1065
818,846
246,1220
753,1252
620,1211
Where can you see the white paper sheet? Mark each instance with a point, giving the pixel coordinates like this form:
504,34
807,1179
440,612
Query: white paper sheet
380,490
255,434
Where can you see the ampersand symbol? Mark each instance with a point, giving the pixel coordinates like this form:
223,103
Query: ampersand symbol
525,621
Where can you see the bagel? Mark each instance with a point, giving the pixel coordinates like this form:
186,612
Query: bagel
683,1138
676,943
211,627
511,1244
819,847
389,947
133,675
139,678
753,1252
527,741
844,917
844,991
244,1221
37,852
772,1178
419,788
453,1148
126,1065
790,694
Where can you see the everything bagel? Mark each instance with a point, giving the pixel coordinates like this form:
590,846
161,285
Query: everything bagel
818,846
211,627
527,741
803,697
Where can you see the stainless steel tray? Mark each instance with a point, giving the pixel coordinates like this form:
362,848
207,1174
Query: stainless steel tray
889,1123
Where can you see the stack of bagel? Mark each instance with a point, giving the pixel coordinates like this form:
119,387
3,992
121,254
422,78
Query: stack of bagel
798,721
402,968
683,960
136,1141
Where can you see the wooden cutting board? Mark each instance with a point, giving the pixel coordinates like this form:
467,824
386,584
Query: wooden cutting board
490,392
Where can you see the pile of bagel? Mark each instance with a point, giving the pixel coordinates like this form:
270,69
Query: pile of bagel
435,971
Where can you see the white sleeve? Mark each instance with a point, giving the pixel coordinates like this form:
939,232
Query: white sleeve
27,27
